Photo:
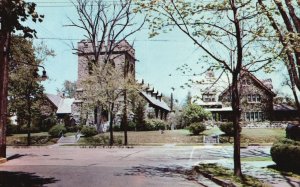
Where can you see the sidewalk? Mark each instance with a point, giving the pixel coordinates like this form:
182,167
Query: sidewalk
259,170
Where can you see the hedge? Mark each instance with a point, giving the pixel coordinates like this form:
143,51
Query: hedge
57,130
286,153
88,131
196,128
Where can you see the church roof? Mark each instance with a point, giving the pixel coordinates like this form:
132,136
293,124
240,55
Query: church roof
155,102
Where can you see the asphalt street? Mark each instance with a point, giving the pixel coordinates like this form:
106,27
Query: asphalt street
167,165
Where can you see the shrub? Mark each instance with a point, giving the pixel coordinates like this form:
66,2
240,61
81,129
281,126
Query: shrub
196,128
131,126
154,124
227,128
194,113
293,132
11,129
47,123
286,153
57,130
88,131
149,126
117,128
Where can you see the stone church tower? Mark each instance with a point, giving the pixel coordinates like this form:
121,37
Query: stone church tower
123,56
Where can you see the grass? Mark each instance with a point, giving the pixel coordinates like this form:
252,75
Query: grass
258,136
41,138
227,175
256,159
184,137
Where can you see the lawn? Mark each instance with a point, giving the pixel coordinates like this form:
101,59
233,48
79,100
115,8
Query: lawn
261,135
257,136
41,138
183,136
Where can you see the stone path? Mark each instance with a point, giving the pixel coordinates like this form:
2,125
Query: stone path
69,139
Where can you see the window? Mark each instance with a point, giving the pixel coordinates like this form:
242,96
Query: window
249,98
247,116
208,98
253,98
254,116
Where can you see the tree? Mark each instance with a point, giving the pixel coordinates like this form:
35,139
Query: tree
233,28
25,90
106,91
286,26
106,26
194,113
12,14
69,89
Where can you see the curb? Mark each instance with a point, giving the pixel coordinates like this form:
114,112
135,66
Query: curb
3,160
215,179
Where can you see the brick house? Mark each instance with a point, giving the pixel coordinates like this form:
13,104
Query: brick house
256,99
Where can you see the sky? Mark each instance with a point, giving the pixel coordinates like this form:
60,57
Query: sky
158,58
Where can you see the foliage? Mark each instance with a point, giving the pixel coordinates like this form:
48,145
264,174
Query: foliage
227,128
57,131
293,132
13,12
195,113
139,116
227,175
154,124
69,89
97,140
197,128
285,153
48,122
25,92
131,126
88,131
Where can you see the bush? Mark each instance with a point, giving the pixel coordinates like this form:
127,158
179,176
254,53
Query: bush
286,153
196,128
88,131
227,128
48,123
194,113
57,130
11,129
154,124
131,126
74,128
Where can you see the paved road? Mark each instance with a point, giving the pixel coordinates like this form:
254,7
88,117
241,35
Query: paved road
139,166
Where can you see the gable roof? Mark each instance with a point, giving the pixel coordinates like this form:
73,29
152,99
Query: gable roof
283,107
63,105
155,102
255,79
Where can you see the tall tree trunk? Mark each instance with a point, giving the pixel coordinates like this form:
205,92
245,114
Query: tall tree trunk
125,118
4,49
237,128
111,135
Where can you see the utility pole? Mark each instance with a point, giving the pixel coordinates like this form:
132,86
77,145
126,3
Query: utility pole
4,51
